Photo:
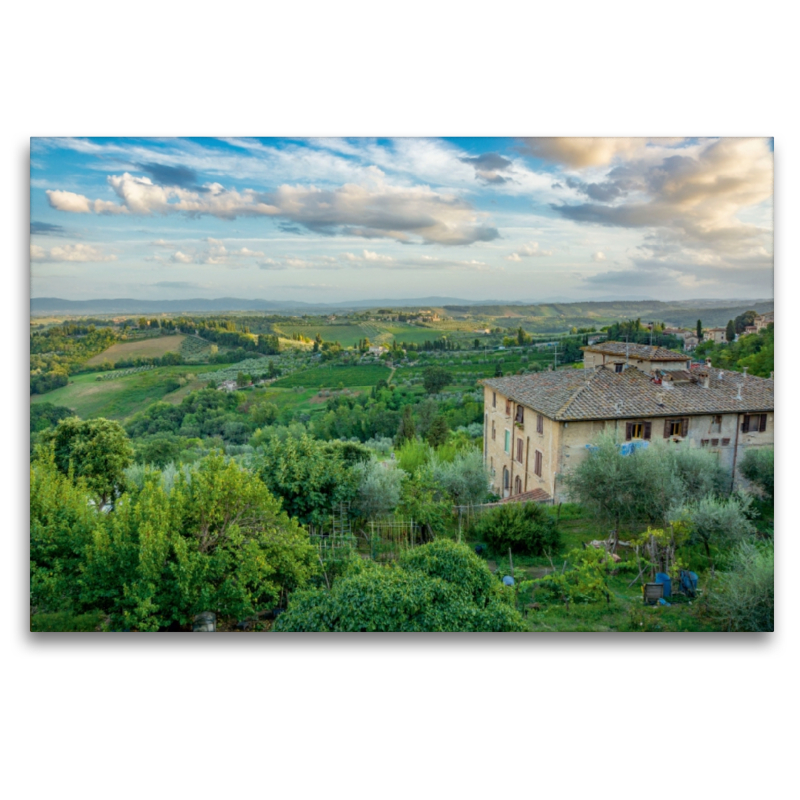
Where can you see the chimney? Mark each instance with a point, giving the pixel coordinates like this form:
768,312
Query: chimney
708,363
706,380
660,398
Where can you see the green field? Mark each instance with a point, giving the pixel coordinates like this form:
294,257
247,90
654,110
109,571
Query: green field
332,376
143,348
347,334
118,399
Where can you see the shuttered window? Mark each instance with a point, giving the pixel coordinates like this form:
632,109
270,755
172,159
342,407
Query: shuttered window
520,417
676,427
638,430
507,447
537,464
520,444
494,399
754,423
494,432
539,423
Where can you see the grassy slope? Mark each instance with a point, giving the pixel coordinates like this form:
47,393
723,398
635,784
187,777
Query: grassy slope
118,399
145,348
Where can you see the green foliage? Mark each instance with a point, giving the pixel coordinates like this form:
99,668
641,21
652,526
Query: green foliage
719,522
62,525
45,415
758,466
730,331
524,527
406,430
434,379
159,449
97,450
311,477
379,488
465,478
743,597
441,586
218,541
422,500
264,413
413,455
438,432
586,580
64,622
644,486
756,351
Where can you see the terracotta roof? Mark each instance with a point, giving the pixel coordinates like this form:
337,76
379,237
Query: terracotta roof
575,394
642,351
535,496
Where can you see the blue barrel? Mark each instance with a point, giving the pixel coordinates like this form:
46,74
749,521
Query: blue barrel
662,577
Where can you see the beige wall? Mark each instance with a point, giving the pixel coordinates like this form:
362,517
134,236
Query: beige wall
563,444
592,360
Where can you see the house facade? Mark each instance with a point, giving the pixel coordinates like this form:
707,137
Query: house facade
538,427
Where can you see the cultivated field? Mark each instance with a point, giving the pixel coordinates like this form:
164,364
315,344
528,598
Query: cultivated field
144,348
332,376
119,398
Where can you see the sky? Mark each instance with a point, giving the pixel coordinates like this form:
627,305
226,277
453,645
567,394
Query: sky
336,220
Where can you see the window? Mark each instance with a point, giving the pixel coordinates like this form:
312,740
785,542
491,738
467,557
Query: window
675,427
494,399
618,367
537,464
520,416
726,442
505,478
539,423
519,449
716,423
507,447
508,408
637,430
517,485
494,432
754,423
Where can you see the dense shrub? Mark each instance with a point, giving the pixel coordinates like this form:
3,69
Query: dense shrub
441,586
743,597
62,621
524,527
758,466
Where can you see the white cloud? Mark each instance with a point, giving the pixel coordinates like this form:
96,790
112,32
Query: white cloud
590,151
598,256
374,209
529,250
70,252
181,258
68,201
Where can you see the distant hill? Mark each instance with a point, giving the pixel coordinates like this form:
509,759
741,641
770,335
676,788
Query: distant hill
683,313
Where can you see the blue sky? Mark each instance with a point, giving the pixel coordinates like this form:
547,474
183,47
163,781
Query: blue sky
327,220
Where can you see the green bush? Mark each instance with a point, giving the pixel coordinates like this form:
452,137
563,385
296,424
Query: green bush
441,586
63,622
743,597
758,466
524,527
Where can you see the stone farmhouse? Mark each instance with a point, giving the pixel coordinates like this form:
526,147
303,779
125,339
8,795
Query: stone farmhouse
539,426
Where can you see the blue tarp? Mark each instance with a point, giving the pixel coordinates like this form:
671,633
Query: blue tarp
662,577
508,580
626,448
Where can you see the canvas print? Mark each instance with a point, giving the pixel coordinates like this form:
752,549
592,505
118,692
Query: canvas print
404,385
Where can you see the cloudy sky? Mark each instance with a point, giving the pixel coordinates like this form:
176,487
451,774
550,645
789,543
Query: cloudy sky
326,220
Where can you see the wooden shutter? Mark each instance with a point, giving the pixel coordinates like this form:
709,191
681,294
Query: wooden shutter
746,423
519,449
538,464
667,428
762,423
684,426
648,429
628,431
